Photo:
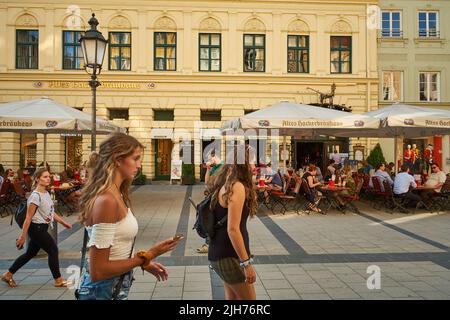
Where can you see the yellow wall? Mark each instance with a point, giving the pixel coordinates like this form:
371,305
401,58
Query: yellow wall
187,90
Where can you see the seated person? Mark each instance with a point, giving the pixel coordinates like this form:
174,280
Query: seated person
319,176
366,167
436,180
348,182
382,175
403,181
331,169
273,179
390,169
312,197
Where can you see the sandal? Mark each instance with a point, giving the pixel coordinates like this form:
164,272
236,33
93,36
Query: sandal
10,282
61,284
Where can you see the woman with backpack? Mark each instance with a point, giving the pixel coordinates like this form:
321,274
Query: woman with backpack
39,216
110,224
233,194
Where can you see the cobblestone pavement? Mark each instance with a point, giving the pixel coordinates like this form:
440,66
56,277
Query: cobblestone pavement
297,256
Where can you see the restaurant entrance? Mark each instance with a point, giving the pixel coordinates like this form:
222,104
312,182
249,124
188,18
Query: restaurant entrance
317,152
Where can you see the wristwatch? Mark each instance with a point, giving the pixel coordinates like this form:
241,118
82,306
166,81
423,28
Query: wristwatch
245,263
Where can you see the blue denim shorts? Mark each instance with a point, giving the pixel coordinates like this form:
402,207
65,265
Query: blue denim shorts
104,289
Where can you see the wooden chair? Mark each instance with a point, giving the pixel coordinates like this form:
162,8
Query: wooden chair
354,197
393,202
5,199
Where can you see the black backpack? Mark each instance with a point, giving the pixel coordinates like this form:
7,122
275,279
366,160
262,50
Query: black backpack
205,222
21,212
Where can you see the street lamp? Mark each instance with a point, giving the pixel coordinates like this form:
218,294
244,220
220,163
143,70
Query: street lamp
93,45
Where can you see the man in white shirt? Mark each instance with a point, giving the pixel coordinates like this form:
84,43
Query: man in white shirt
403,181
336,157
435,180
382,175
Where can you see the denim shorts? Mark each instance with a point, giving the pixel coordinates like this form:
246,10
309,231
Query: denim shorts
104,289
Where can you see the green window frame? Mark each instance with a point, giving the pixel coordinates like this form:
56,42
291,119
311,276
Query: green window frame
210,115
254,55
210,52
27,49
298,54
165,51
163,115
340,54
72,55
119,51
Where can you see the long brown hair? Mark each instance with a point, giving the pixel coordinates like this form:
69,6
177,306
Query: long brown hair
101,170
227,175
37,175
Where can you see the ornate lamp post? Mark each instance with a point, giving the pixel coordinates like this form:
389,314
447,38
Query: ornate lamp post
93,45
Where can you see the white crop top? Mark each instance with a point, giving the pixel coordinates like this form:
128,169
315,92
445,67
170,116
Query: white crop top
119,236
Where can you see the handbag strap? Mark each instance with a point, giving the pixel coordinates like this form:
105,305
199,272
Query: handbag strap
119,284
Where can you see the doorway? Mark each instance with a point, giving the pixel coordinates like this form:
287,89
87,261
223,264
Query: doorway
309,152
317,152
163,157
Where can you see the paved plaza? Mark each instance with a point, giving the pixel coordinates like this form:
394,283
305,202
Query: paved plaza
297,256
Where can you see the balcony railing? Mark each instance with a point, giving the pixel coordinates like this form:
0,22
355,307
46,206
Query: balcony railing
423,33
391,33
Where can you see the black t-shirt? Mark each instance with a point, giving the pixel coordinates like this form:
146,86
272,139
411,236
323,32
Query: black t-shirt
220,246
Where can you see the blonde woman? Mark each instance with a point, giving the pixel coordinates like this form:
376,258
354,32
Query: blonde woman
229,254
40,215
112,227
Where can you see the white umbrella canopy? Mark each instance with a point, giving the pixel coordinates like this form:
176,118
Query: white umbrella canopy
292,118
45,115
401,120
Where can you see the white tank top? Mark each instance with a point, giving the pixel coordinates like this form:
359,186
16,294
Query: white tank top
119,236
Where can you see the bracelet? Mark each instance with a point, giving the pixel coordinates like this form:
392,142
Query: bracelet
245,263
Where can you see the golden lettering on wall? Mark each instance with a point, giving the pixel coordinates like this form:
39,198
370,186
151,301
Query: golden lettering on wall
104,84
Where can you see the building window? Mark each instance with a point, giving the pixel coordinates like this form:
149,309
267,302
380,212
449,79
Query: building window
165,51
429,24
210,51
254,53
210,115
120,51
72,54
27,46
163,115
391,24
341,54
429,84
298,54
392,85
118,114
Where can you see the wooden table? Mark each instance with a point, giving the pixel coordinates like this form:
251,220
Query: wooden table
332,202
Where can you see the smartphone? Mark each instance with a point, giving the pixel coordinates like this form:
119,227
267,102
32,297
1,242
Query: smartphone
177,237
19,248
193,203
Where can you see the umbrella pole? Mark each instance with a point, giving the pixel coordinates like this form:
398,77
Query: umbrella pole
284,151
45,149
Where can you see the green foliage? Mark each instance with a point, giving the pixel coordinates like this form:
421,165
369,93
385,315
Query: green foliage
187,170
187,174
376,156
140,179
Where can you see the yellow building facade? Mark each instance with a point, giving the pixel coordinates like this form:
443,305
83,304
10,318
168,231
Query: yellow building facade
175,66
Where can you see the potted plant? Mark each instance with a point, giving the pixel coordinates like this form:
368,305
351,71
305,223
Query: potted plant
139,179
187,174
